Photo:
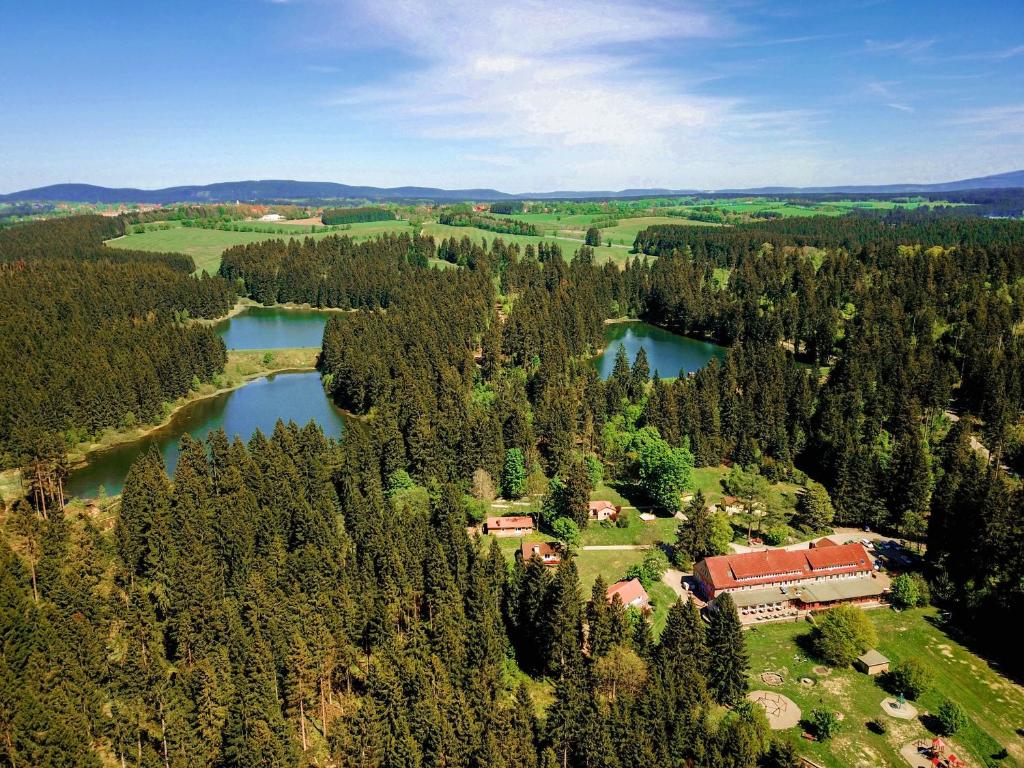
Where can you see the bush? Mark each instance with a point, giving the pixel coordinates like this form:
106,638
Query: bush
775,535
567,532
910,678
824,723
878,725
843,633
951,717
909,590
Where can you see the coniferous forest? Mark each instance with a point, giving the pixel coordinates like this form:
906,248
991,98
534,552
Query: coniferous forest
295,601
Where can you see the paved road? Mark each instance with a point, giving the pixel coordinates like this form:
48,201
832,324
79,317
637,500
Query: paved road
674,578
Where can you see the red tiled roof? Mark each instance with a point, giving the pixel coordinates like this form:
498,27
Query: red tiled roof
541,548
507,523
595,506
825,542
628,591
773,565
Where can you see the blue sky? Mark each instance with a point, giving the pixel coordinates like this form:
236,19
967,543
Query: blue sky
512,94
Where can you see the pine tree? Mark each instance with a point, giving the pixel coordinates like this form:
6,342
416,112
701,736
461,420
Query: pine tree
728,661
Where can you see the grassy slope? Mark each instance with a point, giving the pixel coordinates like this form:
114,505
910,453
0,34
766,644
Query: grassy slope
206,245
994,704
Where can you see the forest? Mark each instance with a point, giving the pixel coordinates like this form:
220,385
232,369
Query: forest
294,600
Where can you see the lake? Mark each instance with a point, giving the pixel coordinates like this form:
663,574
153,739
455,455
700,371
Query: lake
273,328
668,353
297,397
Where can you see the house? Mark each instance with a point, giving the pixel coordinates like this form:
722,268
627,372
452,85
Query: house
513,525
731,505
548,553
872,663
779,583
599,511
823,542
631,593
272,217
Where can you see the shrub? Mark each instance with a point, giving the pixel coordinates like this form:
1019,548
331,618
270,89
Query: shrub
951,717
843,633
567,532
825,723
776,535
878,725
909,590
910,678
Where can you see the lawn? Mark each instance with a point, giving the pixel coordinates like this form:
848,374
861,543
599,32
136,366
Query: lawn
625,231
994,704
206,245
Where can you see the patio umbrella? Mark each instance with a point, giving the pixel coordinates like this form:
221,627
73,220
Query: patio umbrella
937,743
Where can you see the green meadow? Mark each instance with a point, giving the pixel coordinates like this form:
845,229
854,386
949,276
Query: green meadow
206,245
995,704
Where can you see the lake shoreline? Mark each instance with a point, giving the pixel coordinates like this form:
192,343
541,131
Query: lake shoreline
244,303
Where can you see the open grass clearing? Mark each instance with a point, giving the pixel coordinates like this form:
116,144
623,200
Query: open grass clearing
994,704
205,246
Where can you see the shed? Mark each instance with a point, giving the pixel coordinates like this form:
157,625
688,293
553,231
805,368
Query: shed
872,663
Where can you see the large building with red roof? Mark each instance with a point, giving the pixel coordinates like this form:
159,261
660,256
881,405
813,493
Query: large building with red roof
781,583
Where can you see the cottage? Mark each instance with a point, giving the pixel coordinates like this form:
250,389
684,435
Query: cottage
599,511
731,505
872,663
513,525
548,553
631,593
779,583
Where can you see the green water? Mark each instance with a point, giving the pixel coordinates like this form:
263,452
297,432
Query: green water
667,353
273,328
297,397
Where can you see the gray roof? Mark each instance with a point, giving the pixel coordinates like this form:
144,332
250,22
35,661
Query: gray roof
841,589
872,658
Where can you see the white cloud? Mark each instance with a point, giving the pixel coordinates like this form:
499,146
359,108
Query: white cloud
993,122
566,84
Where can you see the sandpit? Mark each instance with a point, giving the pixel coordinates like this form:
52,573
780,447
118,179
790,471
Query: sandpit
781,711
893,708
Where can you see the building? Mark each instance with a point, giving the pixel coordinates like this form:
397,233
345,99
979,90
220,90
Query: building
631,592
731,505
872,663
599,511
780,583
513,525
548,553
272,217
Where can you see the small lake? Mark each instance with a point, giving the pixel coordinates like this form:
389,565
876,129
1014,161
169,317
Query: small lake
273,328
297,397
668,353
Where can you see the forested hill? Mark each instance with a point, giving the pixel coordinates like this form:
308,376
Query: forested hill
276,189
294,601
92,337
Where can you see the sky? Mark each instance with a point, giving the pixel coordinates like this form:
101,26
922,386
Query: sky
518,95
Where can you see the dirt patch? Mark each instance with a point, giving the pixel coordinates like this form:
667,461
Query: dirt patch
772,678
821,671
782,711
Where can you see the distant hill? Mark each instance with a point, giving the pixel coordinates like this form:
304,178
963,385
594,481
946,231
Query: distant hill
275,190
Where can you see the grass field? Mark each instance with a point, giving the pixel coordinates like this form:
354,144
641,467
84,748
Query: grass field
568,245
995,704
205,246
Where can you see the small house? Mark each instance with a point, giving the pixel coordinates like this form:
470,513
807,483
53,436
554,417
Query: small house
549,554
872,663
599,511
631,593
512,525
731,505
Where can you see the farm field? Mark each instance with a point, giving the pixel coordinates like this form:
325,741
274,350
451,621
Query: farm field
994,703
205,246
569,246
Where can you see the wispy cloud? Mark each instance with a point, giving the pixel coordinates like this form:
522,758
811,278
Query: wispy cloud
566,80
909,47
993,122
